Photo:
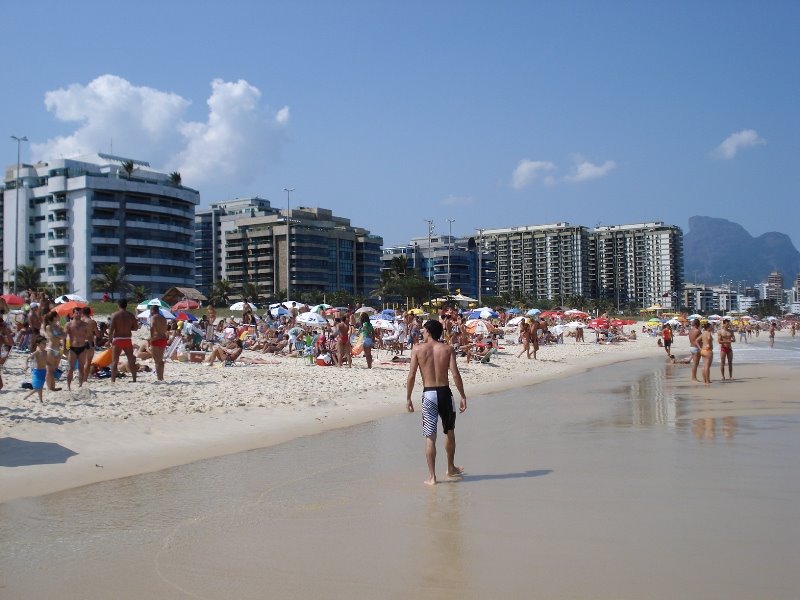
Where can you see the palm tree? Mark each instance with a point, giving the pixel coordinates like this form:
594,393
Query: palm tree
221,292
112,279
251,293
175,178
139,292
29,277
129,167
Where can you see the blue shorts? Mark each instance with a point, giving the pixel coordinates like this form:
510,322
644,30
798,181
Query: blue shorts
368,342
37,378
437,402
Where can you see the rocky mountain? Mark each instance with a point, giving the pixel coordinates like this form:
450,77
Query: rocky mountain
714,248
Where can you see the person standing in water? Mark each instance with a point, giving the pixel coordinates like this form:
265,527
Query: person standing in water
725,338
435,360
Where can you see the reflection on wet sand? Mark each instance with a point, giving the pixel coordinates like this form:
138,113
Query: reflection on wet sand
442,558
706,429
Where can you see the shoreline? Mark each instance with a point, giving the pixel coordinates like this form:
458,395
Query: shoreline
51,454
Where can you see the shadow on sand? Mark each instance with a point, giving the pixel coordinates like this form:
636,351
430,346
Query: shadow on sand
491,476
22,453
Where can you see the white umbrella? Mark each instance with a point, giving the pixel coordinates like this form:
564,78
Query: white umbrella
70,298
515,321
575,325
320,307
533,311
311,318
164,313
479,326
293,304
693,317
366,309
382,324
152,302
240,306
673,322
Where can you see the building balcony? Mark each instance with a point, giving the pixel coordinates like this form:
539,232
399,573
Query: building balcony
58,242
58,224
59,278
63,259
56,184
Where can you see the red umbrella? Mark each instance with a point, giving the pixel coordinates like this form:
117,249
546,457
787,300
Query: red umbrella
187,304
182,316
13,299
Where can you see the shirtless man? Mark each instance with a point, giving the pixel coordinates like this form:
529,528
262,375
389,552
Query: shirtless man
343,349
434,359
78,336
94,333
772,334
120,331
694,347
158,340
725,338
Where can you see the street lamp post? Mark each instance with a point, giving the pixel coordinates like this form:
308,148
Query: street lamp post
449,241
17,181
480,254
288,251
430,256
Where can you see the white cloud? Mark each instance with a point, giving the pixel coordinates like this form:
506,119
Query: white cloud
457,201
239,136
584,171
528,170
746,138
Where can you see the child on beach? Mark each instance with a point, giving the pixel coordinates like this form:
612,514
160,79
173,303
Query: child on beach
39,372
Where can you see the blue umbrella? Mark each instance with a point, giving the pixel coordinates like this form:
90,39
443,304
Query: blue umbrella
514,311
533,311
278,312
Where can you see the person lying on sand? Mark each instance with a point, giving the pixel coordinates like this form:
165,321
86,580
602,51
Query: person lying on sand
226,354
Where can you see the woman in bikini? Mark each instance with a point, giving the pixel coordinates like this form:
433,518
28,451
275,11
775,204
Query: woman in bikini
55,348
525,339
706,343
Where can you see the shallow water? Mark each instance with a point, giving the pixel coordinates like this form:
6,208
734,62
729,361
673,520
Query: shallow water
601,485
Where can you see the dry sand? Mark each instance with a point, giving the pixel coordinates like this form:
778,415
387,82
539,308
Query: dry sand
106,430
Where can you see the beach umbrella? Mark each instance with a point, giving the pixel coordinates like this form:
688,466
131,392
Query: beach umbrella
70,297
279,311
13,299
514,311
241,305
387,313
515,321
366,309
185,304
479,326
574,312
382,324
152,302
320,308
416,311
184,316
694,316
714,318
482,313
674,322
165,312
575,325
67,308
311,318
533,312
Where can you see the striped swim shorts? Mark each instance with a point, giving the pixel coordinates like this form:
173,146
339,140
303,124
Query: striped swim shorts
437,402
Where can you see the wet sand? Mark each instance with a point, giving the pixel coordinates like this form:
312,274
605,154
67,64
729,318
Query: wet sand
623,482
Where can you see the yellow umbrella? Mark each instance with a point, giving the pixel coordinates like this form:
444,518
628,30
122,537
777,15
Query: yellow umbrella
416,311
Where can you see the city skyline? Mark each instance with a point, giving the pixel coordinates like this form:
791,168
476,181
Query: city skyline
513,114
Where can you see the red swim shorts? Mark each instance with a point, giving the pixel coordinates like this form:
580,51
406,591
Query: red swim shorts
122,343
162,343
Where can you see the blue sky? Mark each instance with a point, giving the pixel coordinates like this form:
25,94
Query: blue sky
493,114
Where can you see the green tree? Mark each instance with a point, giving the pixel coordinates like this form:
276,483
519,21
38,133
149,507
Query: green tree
251,292
175,178
139,292
221,293
28,277
112,279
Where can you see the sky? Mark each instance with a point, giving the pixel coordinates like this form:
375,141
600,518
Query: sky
495,114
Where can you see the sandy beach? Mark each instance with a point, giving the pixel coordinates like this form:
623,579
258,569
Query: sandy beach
106,430
622,481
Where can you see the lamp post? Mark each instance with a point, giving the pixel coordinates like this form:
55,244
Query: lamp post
19,141
449,241
480,254
430,256
288,252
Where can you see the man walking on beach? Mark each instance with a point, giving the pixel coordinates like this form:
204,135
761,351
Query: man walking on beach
120,331
434,359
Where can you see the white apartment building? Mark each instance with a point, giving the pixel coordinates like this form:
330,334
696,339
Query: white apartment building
541,261
74,215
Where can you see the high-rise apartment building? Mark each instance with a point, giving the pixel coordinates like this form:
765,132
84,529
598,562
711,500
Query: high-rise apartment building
72,216
774,289
210,226
639,265
326,253
541,261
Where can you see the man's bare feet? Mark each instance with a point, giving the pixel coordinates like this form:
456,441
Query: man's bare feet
456,472
430,481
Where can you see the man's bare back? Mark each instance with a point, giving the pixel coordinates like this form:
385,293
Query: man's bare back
122,324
